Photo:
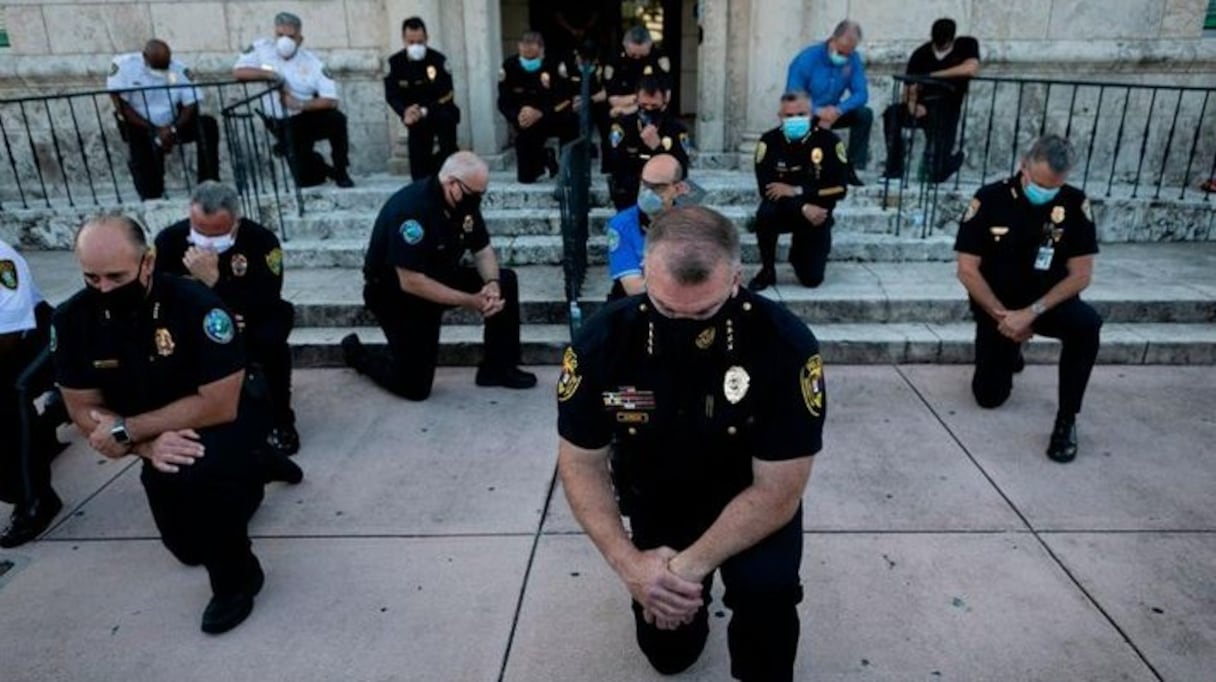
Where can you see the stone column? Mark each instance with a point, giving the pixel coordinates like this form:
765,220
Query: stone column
711,83
774,38
483,56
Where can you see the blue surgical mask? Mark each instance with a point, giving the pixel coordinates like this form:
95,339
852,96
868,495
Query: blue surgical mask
1038,196
530,65
837,58
649,202
796,127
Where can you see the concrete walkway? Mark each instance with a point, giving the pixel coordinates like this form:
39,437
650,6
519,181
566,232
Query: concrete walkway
427,543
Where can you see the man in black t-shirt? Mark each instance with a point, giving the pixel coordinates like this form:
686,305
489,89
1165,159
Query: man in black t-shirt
709,401
1026,251
935,107
413,273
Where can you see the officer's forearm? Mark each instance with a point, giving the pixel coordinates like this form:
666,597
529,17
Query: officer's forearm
422,286
253,73
487,264
978,289
588,487
215,403
1080,272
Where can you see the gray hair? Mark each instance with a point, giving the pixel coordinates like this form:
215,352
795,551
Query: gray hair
702,238
213,197
463,165
1055,151
288,19
638,35
848,27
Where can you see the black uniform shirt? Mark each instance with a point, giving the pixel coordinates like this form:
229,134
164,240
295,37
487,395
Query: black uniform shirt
817,163
621,76
629,153
181,338
416,230
544,89
427,83
251,272
923,62
1006,232
687,413
572,74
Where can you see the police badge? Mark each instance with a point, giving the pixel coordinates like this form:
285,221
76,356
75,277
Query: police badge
240,265
735,384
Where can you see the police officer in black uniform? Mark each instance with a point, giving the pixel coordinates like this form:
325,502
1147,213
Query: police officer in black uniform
154,366
636,138
801,172
571,69
243,263
1026,251
534,98
419,89
713,400
412,274
638,58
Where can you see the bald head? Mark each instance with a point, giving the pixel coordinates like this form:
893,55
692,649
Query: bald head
663,169
157,54
112,250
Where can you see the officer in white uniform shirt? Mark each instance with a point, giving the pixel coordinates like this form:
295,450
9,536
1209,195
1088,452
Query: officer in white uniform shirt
154,121
24,328
306,107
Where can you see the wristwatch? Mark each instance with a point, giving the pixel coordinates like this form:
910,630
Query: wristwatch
1038,308
119,432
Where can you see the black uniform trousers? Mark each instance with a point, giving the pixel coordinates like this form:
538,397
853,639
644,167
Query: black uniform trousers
763,590
203,510
424,160
266,345
22,480
147,162
940,124
297,135
1073,322
810,244
859,122
530,143
411,327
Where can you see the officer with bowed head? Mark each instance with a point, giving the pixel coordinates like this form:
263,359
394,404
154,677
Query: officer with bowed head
533,96
637,137
661,185
305,109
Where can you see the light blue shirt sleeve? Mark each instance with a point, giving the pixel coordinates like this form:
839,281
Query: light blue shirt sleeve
859,90
625,244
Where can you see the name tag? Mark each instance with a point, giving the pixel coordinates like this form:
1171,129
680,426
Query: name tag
105,364
1043,261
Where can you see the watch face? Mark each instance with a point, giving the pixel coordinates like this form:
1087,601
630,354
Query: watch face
120,434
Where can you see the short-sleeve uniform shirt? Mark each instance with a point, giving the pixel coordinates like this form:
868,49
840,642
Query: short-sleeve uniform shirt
18,293
626,243
158,106
305,75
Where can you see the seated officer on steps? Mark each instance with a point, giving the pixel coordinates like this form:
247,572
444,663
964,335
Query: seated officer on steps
412,274
635,138
533,96
305,109
419,89
153,366
242,262
710,402
662,183
801,172
152,121
1026,251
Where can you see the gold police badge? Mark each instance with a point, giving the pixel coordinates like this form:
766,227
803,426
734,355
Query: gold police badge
997,232
544,79
240,265
431,73
568,384
735,384
667,143
811,380
648,71
164,343
816,156
468,224
706,338
1057,215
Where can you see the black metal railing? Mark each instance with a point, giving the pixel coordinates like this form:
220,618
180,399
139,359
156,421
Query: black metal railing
72,149
1132,140
574,197
259,160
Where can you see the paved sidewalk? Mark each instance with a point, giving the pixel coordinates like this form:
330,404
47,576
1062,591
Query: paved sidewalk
427,543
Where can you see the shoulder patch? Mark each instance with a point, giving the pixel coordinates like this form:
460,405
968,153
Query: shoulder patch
665,64
569,382
247,49
608,70
274,261
218,327
761,150
614,239
617,134
502,75
1087,210
562,70
8,275
972,209
841,153
811,380
113,68
188,74
684,142
412,232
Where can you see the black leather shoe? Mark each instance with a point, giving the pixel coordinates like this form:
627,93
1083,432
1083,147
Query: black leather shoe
551,162
29,520
276,467
1063,445
342,179
1019,362
352,350
854,180
511,377
224,613
764,279
284,440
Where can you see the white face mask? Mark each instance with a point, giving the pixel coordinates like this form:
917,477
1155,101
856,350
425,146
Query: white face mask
941,54
286,47
218,244
416,51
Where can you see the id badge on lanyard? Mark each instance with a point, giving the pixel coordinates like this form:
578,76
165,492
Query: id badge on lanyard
1047,251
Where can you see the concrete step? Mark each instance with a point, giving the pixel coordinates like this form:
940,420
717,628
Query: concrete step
874,343
547,250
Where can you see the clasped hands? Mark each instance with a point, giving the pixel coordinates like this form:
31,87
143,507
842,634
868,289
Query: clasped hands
668,590
1016,325
488,301
168,452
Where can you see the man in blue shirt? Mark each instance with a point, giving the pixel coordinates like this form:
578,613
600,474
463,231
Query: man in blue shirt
662,182
825,71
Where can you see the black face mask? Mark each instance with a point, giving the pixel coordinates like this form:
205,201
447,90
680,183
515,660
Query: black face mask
121,301
690,338
469,204
650,116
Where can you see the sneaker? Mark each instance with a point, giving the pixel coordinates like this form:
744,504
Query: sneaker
510,377
1063,445
764,279
352,350
284,440
225,613
30,520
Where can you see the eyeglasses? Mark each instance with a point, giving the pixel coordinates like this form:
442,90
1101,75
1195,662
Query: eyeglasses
656,186
468,191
